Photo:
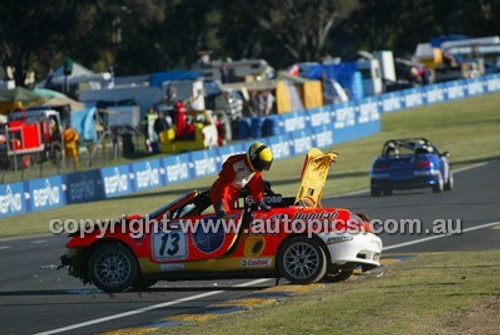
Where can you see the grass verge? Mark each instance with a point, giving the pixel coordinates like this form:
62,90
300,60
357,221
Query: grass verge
442,293
468,128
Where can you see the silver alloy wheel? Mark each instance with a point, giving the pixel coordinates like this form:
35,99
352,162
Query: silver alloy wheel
112,268
301,260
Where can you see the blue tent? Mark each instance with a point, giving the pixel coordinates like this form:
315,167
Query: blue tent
83,122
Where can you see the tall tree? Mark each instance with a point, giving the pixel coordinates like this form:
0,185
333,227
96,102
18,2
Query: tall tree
302,27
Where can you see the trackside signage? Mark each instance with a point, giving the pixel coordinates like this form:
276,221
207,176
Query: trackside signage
177,168
116,180
204,163
391,102
147,174
345,116
280,146
12,201
302,142
84,186
46,193
319,117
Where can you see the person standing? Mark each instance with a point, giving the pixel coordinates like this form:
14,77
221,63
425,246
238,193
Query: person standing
71,141
240,171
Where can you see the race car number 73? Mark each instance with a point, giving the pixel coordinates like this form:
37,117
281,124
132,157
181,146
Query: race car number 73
171,245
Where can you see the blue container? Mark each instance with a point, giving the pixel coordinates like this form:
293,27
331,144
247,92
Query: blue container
271,126
256,127
243,129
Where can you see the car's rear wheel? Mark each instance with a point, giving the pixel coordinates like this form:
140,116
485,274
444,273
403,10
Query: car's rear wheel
450,183
375,192
439,186
112,268
387,191
143,283
301,260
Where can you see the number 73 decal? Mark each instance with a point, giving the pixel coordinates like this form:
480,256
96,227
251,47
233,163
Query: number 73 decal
169,246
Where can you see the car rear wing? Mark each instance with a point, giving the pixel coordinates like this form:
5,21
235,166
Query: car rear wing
313,178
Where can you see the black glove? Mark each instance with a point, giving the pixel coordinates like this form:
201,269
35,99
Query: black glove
221,210
262,205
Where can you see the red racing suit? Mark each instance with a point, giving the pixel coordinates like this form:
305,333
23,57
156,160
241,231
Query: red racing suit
236,174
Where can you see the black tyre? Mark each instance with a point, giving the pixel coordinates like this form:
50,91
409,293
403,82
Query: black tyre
375,192
301,260
112,268
450,183
339,276
439,186
142,283
387,191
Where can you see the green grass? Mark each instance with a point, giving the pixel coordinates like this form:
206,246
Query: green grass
469,129
428,294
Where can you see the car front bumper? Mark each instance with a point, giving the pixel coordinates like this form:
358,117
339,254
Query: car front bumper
360,248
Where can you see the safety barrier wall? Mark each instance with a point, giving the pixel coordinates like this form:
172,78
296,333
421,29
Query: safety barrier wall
298,132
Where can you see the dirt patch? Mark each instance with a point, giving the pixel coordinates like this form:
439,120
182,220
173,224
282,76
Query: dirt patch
482,319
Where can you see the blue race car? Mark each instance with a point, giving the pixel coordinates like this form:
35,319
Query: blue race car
410,163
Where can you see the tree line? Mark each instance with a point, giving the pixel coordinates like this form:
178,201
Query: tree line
142,36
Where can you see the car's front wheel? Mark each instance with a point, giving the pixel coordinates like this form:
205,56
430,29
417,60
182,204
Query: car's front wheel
301,260
450,183
112,268
439,186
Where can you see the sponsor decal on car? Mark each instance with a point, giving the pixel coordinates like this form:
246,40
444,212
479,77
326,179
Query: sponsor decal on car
314,216
339,239
256,262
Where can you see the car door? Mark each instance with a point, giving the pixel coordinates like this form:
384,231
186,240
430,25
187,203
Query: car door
194,238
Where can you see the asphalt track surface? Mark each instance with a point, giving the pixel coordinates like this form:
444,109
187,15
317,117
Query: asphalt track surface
36,298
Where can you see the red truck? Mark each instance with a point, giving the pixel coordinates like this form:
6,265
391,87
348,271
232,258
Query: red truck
31,136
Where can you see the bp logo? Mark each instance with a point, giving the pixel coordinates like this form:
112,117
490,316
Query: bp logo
209,240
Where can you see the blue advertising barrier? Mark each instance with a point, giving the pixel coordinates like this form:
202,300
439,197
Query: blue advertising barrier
84,186
12,199
177,168
117,180
295,133
45,193
147,174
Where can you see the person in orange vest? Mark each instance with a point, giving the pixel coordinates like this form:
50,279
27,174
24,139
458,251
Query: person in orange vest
239,171
71,140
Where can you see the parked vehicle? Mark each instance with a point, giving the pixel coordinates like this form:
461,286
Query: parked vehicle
204,136
30,136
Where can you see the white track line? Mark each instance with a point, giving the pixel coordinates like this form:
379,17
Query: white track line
4,247
39,241
435,237
146,309
470,167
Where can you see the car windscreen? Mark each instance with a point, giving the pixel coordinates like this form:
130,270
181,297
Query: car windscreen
164,208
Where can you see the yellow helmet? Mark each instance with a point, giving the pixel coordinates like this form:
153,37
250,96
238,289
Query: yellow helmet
260,156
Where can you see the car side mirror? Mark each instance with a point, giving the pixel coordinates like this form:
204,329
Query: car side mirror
446,154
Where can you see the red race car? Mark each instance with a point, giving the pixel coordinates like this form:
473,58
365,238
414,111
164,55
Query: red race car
297,239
